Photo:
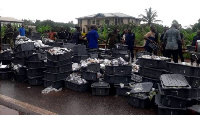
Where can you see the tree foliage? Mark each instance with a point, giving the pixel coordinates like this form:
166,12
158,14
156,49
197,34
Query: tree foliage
149,17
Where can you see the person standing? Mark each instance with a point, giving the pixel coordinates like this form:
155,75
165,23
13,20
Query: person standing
62,34
9,34
172,37
52,35
162,42
129,40
180,45
113,38
76,37
22,31
150,37
92,38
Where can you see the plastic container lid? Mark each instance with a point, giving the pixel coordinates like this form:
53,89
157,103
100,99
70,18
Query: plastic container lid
173,80
142,87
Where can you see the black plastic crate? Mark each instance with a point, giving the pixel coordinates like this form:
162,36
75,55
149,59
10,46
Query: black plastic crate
152,63
59,57
154,81
193,81
59,69
25,46
34,72
76,87
94,55
144,87
93,67
126,57
44,49
77,59
54,84
35,80
100,88
69,45
163,110
89,76
58,63
35,64
115,79
118,70
179,69
122,91
139,101
196,71
193,93
5,46
4,75
79,50
21,71
6,62
7,55
24,54
55,76
17,60
136,78
151,72
171,101
37,57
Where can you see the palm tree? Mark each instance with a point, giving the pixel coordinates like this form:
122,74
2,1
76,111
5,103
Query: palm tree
150,16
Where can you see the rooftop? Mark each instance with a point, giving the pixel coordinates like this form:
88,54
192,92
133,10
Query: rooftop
120,15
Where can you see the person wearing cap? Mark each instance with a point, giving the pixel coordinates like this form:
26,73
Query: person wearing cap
22,31
171,38
76,37
92,38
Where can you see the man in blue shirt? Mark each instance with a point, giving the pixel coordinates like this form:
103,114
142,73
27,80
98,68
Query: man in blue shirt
92,38
22,31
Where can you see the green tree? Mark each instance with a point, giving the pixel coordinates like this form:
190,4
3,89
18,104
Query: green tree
149,17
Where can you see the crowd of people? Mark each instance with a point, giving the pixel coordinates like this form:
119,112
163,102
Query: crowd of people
171,41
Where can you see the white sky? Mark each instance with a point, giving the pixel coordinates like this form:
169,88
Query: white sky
186,12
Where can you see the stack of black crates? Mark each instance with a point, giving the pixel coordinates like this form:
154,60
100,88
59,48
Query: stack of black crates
58,67
36,68
79,51
191,74
5,59
118,74
151,69
21,52
175,94
121,50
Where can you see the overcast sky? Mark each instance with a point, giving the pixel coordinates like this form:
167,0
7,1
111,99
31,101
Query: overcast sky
186,12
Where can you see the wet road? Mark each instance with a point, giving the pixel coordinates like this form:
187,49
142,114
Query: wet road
70,102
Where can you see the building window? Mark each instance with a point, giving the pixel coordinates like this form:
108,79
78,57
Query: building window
89,22
93,22
115,21
107,22
97,22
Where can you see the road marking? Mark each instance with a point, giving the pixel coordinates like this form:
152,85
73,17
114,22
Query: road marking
26,105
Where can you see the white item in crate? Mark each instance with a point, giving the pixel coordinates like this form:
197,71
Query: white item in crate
75,66
58,50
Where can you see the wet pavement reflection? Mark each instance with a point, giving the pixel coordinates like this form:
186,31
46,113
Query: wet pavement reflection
70,102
